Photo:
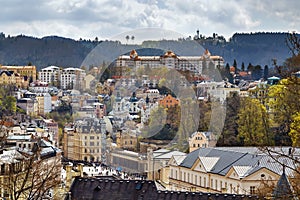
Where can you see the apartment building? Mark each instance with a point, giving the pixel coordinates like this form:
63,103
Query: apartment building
72,78
67,78
85,139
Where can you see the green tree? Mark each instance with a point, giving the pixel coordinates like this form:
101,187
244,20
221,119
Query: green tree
253,123
295,130
284,104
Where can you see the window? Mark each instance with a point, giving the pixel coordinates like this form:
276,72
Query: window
200,181
204,182
196,180
91,137
252,190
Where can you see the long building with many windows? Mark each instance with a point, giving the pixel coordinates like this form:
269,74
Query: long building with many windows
24,71
234,170
170,60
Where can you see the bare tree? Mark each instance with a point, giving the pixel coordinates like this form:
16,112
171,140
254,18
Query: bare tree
30,176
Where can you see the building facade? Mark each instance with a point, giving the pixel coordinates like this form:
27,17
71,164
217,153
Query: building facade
24,71
67,78
238,170
85,140
171,61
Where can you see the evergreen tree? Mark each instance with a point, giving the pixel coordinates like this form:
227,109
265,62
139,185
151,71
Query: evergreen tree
266,72
230,130
243,66
235,66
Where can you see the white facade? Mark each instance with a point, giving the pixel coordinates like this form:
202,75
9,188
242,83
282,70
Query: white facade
72,78
49,74
68,78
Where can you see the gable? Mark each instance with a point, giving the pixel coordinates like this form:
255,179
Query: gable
262,173
198,166
172,161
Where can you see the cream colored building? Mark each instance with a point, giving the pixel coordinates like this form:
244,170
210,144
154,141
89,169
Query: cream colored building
238,170
171,61
84,140
201,140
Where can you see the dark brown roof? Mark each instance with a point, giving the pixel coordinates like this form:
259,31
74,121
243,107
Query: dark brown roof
108,189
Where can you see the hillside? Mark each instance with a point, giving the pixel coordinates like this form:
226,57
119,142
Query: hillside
257,48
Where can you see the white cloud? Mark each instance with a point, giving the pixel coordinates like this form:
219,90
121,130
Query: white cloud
105,18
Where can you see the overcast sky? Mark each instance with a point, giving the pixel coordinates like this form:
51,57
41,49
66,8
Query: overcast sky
106,19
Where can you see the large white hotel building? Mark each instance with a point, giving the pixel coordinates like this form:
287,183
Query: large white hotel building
172,61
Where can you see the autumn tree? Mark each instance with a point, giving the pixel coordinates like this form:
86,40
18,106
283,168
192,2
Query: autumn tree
253,123
295,130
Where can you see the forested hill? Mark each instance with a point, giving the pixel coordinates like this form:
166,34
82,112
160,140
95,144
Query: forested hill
256,48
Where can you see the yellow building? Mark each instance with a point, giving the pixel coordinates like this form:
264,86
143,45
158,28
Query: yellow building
7,78
126,140
10,77
28,71
201,140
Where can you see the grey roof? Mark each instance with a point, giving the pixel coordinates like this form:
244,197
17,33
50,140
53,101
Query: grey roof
221,160
168,155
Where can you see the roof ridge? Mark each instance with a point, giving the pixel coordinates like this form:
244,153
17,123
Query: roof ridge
231,164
